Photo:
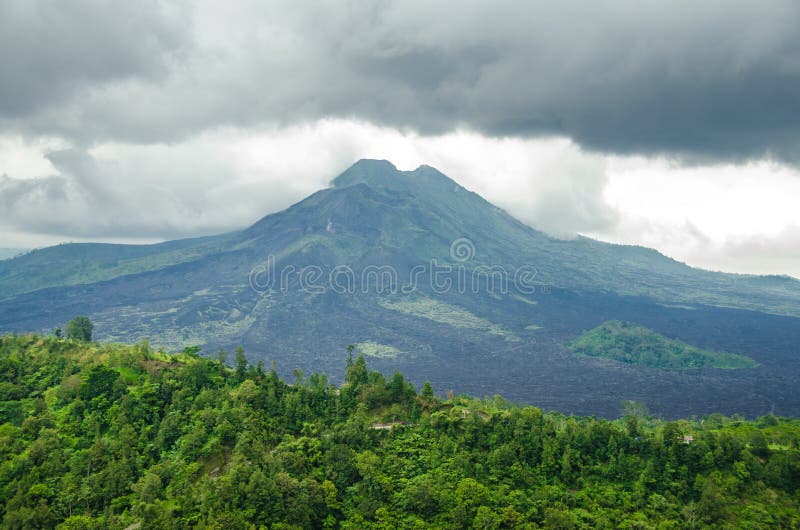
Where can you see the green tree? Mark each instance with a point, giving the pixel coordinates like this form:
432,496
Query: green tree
191,350
80,328
397,388
99,381
222,358
427,392
357,374
241,364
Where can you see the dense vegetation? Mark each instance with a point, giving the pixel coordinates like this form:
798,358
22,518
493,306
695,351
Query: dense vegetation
79,328
633,344
108,436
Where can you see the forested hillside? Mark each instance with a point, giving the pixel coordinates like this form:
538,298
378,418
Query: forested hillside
116,436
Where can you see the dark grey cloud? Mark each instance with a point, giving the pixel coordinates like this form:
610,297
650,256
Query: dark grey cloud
51,51
17,191
33,204
707,81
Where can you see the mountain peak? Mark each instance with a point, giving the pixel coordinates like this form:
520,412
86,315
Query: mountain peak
384,174
375,163
369,171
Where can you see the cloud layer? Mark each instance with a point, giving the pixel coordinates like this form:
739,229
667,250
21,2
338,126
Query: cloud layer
227,179
711,81
674,125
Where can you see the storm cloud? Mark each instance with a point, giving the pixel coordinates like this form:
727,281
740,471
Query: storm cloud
704,81
52,53
674,125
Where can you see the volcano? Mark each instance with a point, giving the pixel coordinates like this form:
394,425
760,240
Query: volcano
426,277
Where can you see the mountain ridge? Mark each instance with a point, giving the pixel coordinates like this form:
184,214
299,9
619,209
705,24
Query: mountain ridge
366,172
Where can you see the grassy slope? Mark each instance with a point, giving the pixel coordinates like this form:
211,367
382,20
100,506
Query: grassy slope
85,263
633,344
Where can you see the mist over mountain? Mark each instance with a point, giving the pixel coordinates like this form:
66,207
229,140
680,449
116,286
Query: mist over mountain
429,278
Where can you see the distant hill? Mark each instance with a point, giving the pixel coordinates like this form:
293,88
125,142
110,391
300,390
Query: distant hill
431,279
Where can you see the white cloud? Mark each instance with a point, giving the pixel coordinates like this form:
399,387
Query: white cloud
739,218
25,158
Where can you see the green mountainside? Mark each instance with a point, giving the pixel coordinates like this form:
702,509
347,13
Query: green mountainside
373,210
470,336
633,344
113,436
83,263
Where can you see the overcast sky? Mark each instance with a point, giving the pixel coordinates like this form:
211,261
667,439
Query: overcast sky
674,125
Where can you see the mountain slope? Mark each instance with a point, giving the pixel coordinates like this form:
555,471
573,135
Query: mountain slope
81,263
368,261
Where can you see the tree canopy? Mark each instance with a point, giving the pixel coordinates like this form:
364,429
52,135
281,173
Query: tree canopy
80,328
108,436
